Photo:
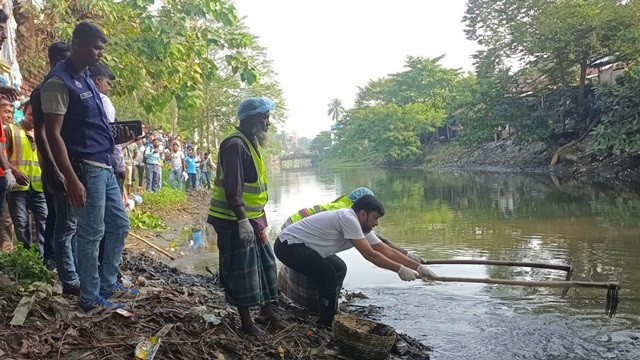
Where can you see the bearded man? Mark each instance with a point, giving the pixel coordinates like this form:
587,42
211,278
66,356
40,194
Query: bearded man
247,262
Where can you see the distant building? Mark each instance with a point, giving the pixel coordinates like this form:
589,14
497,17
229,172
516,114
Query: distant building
606,70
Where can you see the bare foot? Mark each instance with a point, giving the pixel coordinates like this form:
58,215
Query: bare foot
254,332
270,320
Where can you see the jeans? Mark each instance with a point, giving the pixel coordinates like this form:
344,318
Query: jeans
191,181
173,175
140,169
198,175
3,192
20,202
153,177
206,179
64,241
102,216
49,250
6,225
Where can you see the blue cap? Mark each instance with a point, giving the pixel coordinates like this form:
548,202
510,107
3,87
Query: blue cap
252,106
358,193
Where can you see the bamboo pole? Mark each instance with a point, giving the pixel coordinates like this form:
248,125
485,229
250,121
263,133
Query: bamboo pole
566,268
551,284
613,287
161,250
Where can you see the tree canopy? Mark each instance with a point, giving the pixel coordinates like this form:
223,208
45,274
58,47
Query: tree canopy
195,54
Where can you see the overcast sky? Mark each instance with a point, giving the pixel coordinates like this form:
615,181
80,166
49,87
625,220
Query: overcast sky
325,49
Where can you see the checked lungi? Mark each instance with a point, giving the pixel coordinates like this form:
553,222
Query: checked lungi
248,274
299,288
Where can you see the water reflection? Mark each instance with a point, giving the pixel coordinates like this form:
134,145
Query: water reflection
496,217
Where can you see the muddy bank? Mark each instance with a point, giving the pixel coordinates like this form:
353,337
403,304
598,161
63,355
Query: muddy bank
190,310
506,156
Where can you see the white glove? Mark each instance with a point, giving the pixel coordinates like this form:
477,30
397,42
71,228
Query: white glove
406,274
10,179
425,273
415,257
246,232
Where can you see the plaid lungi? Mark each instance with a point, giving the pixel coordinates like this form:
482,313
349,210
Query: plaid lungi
299,288
248,274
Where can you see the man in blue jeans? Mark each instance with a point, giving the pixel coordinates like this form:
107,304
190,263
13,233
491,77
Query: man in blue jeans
152,160
177,166
80,139
59,237
25,166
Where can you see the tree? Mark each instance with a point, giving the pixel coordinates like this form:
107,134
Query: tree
619,131
336,110
162,53
560,39
320,142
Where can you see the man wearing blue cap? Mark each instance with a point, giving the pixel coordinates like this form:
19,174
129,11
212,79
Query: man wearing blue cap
247,263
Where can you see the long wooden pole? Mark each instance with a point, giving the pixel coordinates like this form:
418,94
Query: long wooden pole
551,284
566,268
161,250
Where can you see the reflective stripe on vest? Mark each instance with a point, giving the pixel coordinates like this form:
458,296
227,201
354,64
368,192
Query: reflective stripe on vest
25,158
254,194
340,203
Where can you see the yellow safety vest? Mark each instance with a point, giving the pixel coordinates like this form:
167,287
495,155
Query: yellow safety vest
25,159
339,203
254,194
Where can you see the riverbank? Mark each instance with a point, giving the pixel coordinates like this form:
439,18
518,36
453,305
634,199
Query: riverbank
187,309
190,311
508,155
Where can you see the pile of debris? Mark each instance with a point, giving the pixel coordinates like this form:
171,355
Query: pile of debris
187,312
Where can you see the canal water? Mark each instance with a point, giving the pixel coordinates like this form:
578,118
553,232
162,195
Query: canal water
495,217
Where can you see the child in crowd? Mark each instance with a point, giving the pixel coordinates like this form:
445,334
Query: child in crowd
191,169
206,170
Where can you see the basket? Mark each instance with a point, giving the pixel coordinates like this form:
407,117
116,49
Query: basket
361,338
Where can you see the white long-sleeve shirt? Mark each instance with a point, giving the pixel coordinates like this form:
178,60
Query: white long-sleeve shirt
110,111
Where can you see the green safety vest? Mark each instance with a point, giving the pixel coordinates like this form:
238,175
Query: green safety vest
339,203
25,159
254,194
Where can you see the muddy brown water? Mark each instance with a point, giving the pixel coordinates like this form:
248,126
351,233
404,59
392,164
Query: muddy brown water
595,229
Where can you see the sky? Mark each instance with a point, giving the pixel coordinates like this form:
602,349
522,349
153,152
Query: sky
323,50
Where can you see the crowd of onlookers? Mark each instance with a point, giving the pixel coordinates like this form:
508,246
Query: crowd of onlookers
147,158
64,165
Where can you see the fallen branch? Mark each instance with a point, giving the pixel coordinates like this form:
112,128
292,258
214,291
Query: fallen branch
161,250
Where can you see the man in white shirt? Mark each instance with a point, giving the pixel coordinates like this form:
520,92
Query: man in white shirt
309,246
177,167
103,78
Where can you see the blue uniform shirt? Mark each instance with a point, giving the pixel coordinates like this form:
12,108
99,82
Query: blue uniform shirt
85,130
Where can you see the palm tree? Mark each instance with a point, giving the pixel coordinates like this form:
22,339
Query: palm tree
336,110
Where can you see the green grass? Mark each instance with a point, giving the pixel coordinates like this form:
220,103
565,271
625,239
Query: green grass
25,266
165,198
144,220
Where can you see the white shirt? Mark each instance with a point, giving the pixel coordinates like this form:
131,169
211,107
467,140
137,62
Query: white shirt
176,160
110,112
327,232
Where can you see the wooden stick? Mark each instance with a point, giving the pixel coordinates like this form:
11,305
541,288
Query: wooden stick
164,252
551,284
566,268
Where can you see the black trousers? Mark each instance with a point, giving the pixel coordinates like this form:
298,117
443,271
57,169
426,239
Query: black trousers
140,169
328,272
